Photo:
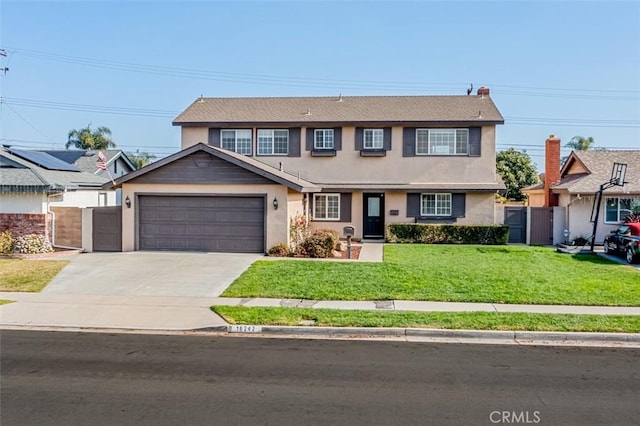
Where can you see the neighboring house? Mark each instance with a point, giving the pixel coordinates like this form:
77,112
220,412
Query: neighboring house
573,188
250,165
32,182
117,164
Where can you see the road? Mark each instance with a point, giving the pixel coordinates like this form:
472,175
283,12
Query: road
64,378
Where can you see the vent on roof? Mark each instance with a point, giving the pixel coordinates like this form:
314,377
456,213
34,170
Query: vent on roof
44,160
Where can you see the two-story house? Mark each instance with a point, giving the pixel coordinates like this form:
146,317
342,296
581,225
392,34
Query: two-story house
250,165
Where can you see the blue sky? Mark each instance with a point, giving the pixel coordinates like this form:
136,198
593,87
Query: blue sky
557,67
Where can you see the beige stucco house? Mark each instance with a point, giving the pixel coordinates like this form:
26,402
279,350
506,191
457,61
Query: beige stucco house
250,165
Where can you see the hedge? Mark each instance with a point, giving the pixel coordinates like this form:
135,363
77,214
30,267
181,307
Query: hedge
447,234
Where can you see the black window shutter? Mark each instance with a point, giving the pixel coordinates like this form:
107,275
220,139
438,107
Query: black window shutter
359,138
214,137
474,141
413,205
345,207
310,142
386,139
294,142
337,138
408,142
458,205
311,212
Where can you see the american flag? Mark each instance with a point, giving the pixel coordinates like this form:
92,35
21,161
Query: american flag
102,161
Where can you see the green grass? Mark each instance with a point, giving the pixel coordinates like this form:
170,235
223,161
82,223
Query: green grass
494,274
438,320
28,275
4,302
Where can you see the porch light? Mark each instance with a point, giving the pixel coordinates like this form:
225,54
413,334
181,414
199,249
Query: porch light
127,202
275,203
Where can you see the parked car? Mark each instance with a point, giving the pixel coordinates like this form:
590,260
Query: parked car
624,240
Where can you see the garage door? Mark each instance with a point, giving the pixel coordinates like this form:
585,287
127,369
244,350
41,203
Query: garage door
194,223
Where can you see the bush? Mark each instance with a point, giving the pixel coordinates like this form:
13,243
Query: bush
321,243
6,242
280,250
447,234
32,244
632,218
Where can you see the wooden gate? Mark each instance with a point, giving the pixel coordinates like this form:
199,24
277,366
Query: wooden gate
516,219
541,232
107,228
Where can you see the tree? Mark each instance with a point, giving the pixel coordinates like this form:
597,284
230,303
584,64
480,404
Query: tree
517,171
140,159
580,143
86,138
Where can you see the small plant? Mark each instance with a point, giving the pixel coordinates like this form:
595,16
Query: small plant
6,242
32,244
280,250
580,241
299,229
321,243
632,218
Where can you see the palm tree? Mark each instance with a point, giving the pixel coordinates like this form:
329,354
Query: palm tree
140,159
580,143
86,138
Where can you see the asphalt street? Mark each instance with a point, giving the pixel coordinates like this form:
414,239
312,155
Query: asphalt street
65,378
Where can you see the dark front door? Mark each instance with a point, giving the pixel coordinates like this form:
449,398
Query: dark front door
516,219
373,220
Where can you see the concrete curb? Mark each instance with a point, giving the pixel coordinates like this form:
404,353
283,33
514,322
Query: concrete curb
496,336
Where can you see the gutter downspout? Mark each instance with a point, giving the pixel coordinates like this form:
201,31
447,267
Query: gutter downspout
567,215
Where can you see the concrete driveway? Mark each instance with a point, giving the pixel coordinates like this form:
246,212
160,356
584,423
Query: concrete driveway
156,274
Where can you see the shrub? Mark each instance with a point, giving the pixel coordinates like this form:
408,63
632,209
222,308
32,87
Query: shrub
447,234
632,218
299,229
32,244
321,243
6,242
280,250
580,241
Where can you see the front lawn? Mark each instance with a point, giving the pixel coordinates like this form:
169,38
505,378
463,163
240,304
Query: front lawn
439,320
28,275
494,274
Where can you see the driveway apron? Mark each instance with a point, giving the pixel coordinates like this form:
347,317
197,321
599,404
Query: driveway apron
150,274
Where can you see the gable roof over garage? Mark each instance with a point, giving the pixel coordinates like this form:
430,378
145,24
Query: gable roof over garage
207,164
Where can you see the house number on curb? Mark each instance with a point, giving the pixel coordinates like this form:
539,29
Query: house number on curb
245,329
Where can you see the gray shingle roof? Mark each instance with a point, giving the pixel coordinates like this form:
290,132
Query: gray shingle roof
34,178
346,109
599,164
87,160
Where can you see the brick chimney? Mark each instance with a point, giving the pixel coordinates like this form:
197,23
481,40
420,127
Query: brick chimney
551,169
483,91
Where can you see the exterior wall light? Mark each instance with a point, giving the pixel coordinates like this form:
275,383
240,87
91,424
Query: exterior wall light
127,202
275,203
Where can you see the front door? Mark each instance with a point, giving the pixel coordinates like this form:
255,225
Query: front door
373,220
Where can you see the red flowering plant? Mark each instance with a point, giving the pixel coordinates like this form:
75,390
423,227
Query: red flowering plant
299,229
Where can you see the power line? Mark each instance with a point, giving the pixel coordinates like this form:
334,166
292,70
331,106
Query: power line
315,82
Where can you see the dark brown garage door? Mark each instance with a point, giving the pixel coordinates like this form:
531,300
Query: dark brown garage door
195,223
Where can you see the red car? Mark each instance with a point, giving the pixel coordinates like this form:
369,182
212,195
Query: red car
624,240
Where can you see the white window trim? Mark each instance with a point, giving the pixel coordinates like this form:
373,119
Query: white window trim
326,212
235,139
272,131
455,145
324,141
436,194
606,201
374,131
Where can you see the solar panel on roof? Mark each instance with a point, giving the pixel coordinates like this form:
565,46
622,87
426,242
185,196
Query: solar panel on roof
44,160
68,156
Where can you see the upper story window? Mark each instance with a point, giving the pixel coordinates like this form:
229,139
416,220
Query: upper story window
435,205
442,141
323,139
616,209
236,140
373,139
273,142
326,206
